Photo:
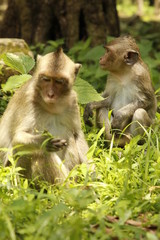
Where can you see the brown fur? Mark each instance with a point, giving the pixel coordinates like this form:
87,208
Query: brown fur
46,102
129,92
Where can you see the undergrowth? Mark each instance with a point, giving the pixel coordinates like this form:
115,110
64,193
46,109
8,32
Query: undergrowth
118,200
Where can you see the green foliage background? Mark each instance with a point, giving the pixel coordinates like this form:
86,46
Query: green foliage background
125,183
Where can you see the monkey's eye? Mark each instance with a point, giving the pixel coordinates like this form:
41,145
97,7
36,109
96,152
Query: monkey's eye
45,78
59,81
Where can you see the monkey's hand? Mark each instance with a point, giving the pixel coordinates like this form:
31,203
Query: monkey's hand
55,145
88,113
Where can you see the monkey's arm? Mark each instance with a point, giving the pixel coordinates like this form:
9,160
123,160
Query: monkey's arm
88,112
30,142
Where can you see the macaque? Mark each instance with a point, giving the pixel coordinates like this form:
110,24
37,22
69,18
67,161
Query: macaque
128,92
46,103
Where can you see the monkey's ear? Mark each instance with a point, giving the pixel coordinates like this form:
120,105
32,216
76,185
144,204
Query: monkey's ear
77,67
131,57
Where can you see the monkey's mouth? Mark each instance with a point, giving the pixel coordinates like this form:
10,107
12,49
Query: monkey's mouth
50,98
102,65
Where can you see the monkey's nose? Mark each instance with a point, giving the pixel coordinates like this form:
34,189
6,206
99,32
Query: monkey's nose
101,60
50,94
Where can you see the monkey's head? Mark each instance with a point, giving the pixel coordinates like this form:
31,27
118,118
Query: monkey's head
121,53
55,75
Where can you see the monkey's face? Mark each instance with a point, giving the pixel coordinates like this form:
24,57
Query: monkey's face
52,88
56,75
107,61
120,54
113,59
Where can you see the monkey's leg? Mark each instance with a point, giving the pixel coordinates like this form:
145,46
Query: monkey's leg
49,167
76,150
140,116
103,120
4,156
122,139
82,147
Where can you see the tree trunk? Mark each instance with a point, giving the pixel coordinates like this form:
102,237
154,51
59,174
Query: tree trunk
41,20
140,4
157,7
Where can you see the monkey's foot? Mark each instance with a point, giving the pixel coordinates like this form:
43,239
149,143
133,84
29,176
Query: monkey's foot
122,140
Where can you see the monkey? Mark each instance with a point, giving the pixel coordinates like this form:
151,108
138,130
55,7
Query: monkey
45,103
128,94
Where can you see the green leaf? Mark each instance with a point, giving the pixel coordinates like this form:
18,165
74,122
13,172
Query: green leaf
94,145
10,227
14,61
52,46
56,43
123,211
21,63
91,150
15,82
94,54
28,62
151,236
80,47
100,73
86,93
145,47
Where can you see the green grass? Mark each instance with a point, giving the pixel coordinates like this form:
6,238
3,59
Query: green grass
124,185
128,9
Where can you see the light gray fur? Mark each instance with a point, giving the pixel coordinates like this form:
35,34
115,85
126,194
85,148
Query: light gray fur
25,119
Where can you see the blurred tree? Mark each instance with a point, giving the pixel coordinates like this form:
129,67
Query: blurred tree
157,7
151,2
41,20
140,7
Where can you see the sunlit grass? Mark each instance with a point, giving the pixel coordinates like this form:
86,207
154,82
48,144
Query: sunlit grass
125,184
128,9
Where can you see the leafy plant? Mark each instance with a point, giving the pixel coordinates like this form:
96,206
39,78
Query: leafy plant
22,64
50,46
86,93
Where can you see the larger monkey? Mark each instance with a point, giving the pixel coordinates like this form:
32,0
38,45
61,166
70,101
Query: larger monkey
46,103
128,92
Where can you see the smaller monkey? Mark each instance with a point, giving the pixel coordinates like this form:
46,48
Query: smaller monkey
46,102
128,93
